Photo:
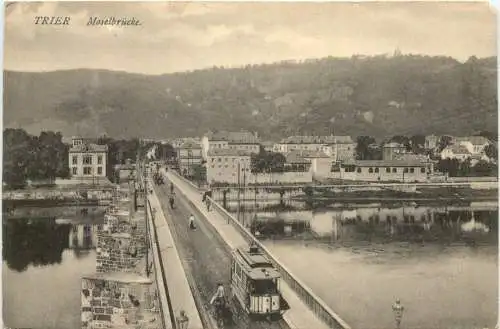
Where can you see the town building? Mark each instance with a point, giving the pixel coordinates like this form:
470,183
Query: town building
189,155
242,140
391,150
385,170
431,142
178,142
268,146
226,165
339,148
317,162
233,166
474,144
459,152
87,159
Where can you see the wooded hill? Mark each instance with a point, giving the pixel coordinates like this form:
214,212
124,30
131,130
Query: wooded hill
377,96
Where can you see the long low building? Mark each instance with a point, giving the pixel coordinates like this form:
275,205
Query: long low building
384,170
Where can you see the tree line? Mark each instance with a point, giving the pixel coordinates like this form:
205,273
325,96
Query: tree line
45,157
28,157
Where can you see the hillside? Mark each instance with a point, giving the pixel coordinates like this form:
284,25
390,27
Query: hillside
378,96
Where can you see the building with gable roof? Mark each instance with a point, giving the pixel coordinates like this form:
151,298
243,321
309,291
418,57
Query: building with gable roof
87,159
241,140
474,144
336,147
456,151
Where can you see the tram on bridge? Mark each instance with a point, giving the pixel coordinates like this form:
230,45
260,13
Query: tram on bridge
255,284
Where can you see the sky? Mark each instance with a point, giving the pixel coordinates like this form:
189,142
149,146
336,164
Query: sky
180,36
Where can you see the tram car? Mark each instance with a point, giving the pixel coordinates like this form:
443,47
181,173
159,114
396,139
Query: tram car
255,284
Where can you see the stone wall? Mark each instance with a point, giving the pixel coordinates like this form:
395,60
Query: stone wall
120,294
118,302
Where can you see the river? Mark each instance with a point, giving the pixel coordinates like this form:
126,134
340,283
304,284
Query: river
43,262
442,262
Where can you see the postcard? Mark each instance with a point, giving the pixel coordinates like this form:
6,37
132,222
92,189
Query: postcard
250,165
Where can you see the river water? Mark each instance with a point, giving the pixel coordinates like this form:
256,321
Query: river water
442,262
43,262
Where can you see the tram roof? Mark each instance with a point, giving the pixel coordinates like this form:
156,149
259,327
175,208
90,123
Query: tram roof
257,266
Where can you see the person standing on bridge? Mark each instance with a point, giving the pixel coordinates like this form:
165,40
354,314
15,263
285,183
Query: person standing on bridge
182,320
171,199
191,222
398,310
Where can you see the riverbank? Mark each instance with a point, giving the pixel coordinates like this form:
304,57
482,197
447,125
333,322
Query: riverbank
439,194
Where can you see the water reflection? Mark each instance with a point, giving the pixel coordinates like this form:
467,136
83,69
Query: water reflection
467,224
41,241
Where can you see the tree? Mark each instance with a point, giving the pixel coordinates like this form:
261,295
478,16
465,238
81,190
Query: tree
267,162
362,147
417,143
199,173
165,151
484,168
17,154
449,166
491,151
404,140
444,141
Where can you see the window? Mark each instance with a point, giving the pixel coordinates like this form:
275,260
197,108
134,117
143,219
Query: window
405,170
376,170
219,159
358,170
75,159
388,170
99,170
87,170
422,170
370,170
87,159
99,159
412,170
74,170
394,170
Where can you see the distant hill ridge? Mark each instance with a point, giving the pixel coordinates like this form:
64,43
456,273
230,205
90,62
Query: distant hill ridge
377,96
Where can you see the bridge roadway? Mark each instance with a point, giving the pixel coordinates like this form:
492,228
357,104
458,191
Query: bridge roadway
300,316
205,260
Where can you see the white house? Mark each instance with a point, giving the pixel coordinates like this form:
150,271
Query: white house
320,163
86,159
337,147
242,140
455,151
474,144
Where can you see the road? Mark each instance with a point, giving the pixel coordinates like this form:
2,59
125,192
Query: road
205,259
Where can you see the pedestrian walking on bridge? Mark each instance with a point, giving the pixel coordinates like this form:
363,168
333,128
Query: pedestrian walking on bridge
182,320
398,310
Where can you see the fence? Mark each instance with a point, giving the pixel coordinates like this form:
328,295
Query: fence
319,308
168,319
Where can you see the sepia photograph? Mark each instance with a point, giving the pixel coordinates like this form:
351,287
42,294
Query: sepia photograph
250,165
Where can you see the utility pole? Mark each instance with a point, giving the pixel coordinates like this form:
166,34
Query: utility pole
239,189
